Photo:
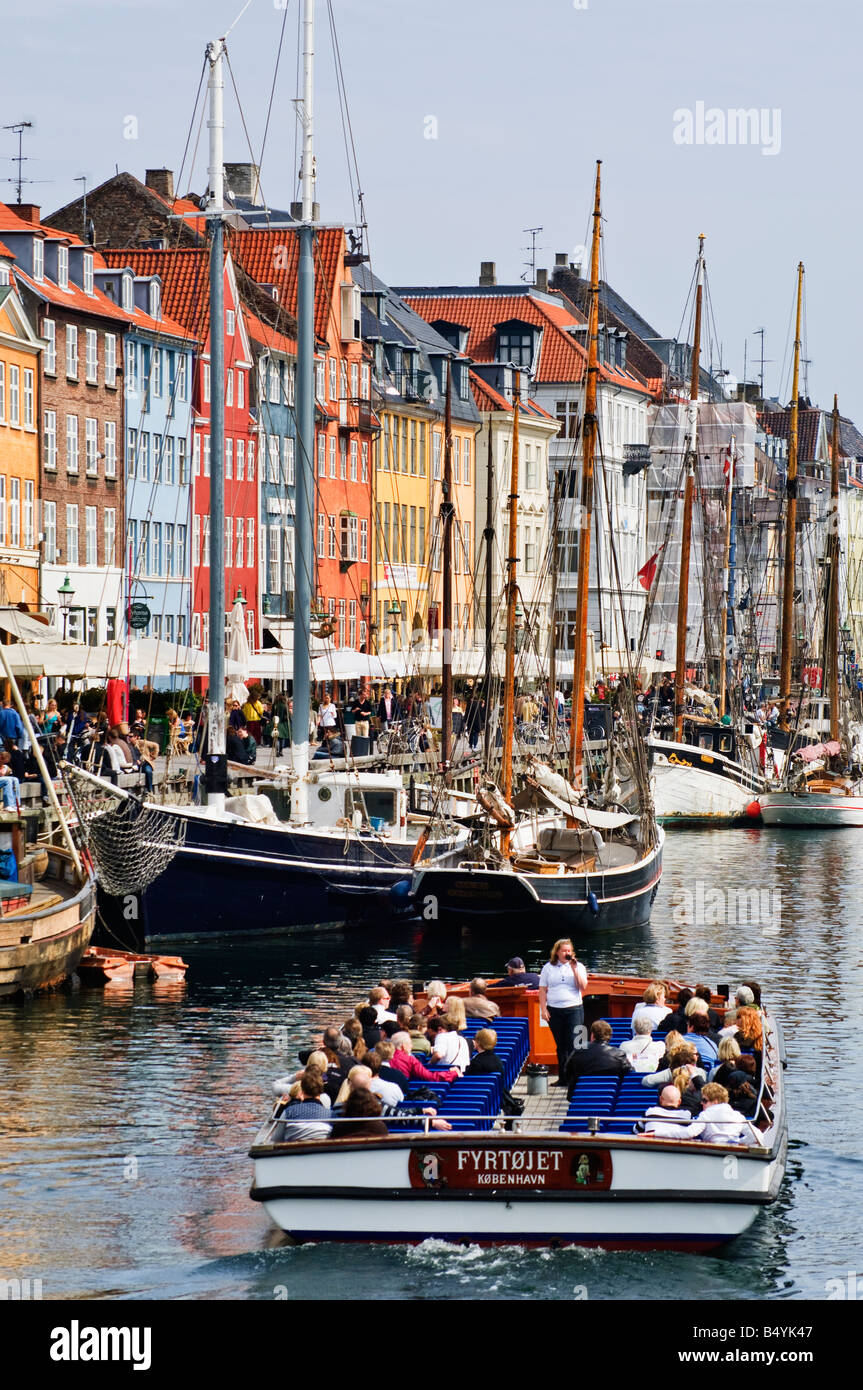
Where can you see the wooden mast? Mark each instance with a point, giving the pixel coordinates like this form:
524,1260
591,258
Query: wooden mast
576,737
688,498
488,537
552,664
790,522
831,646
511,598
447,511
723,623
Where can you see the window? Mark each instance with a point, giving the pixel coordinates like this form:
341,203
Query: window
110,359
49,440
131,366
288,459
456,459
251,461
206,382
342,606
14,395
229,389
131,451
436,545
156,371
343,458
229,458
144,457
91,445
384,531
250,628
49,528
354,457
343,380
322,535
110,448
275,382
110,525
355,379
157,548
331,549
63,267
364,538
239,542
333,377
28,399
436,461
567,416
320,373
169,548
230,322
250,548
241,460
273,447
71,443
529,468
127,293
206,456
38,258
181,629
456,549
196,455
144,561
365,472
181,377
49,333
15,511
2,509
88,272
71,535
180,551
91,555
465,536
91,339
465,459
352,623
241,389
349,530
206,545
196,541
366,380
229,542
2,390
515,345
290,382
168,460
322,456
205,631
412,553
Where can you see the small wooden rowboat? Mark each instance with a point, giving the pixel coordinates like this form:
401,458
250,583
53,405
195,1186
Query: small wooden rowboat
576,1172
104,965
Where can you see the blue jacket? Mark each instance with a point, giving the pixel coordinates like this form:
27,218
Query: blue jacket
10,724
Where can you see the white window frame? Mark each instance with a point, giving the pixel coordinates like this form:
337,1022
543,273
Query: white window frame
49,335
91,446
71,557
91,536
109,524
49,440
72,444
49,532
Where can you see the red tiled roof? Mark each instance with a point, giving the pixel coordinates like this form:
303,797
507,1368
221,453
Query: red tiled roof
11,222
4,251
271,257
184,273
778,422
96,303
261,332
487,398
143,320
562,357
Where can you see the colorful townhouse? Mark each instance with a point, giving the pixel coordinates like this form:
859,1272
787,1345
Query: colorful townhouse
81,410
158,360
273,385
184,295
20,350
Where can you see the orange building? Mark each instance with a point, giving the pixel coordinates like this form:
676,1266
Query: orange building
19,445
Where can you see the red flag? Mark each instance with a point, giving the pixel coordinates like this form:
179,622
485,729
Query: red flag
647,573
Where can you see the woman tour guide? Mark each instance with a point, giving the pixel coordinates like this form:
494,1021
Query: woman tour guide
561,985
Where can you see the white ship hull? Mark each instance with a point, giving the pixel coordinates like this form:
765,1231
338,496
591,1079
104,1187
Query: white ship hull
820,809
695,787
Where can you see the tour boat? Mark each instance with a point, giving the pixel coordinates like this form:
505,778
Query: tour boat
563,1173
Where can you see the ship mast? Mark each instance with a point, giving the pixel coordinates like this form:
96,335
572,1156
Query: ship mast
488,537
586,508
216,766
446,514
831,646
726,584
688,497
511,600
790,522
306,433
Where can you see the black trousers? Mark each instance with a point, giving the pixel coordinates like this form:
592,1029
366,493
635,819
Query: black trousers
563,1023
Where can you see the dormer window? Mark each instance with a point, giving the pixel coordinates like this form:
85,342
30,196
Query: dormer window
128,293
63,267
88,272
155,300
515,343
38,258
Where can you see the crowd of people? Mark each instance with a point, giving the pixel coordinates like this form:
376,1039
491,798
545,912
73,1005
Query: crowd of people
370,1073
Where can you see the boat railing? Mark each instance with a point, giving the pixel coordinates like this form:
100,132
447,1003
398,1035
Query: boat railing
525,1126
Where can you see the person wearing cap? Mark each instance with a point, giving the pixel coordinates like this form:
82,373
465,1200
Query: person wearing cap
517,975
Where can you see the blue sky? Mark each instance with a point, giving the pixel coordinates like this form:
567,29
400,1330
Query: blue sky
525,96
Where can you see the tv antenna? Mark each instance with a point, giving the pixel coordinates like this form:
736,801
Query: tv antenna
19,127
533,233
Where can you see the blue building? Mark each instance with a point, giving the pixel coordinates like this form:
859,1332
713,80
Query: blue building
157,390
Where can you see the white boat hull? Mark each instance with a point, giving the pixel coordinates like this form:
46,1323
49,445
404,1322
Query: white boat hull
686,787
820,809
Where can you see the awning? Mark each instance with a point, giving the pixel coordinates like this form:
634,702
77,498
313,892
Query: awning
27,627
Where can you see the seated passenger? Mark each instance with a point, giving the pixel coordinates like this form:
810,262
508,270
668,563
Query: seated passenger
656,1120
653,1004
379,998
478,1004
689,1081
706,993
729,1054
450,1049
401,993
388,1091
368,1021
672,1040
750,1034
455,1010
697,1030
411,1067
597,1059
435,999
306,1117
420,1045
719,1123
387,1071
517,975
644,1054
684,1056
362,1117
677,1019
698,1006
755,989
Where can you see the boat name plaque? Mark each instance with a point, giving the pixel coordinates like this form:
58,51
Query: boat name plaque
511,1166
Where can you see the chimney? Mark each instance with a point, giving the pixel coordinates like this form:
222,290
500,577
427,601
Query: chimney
542,279
244,181
161,181
28,212
487,273
297,212
561,259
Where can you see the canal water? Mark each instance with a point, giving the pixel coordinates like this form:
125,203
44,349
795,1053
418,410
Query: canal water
126,1114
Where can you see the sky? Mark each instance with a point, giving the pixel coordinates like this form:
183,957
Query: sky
474,120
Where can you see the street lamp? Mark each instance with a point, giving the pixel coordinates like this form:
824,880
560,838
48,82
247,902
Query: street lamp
394,610
66,594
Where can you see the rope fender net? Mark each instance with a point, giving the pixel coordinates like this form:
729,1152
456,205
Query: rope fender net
131,844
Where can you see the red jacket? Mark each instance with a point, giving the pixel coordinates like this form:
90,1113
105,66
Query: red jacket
411,1067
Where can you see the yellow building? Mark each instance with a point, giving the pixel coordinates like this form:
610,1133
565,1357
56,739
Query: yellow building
19,446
